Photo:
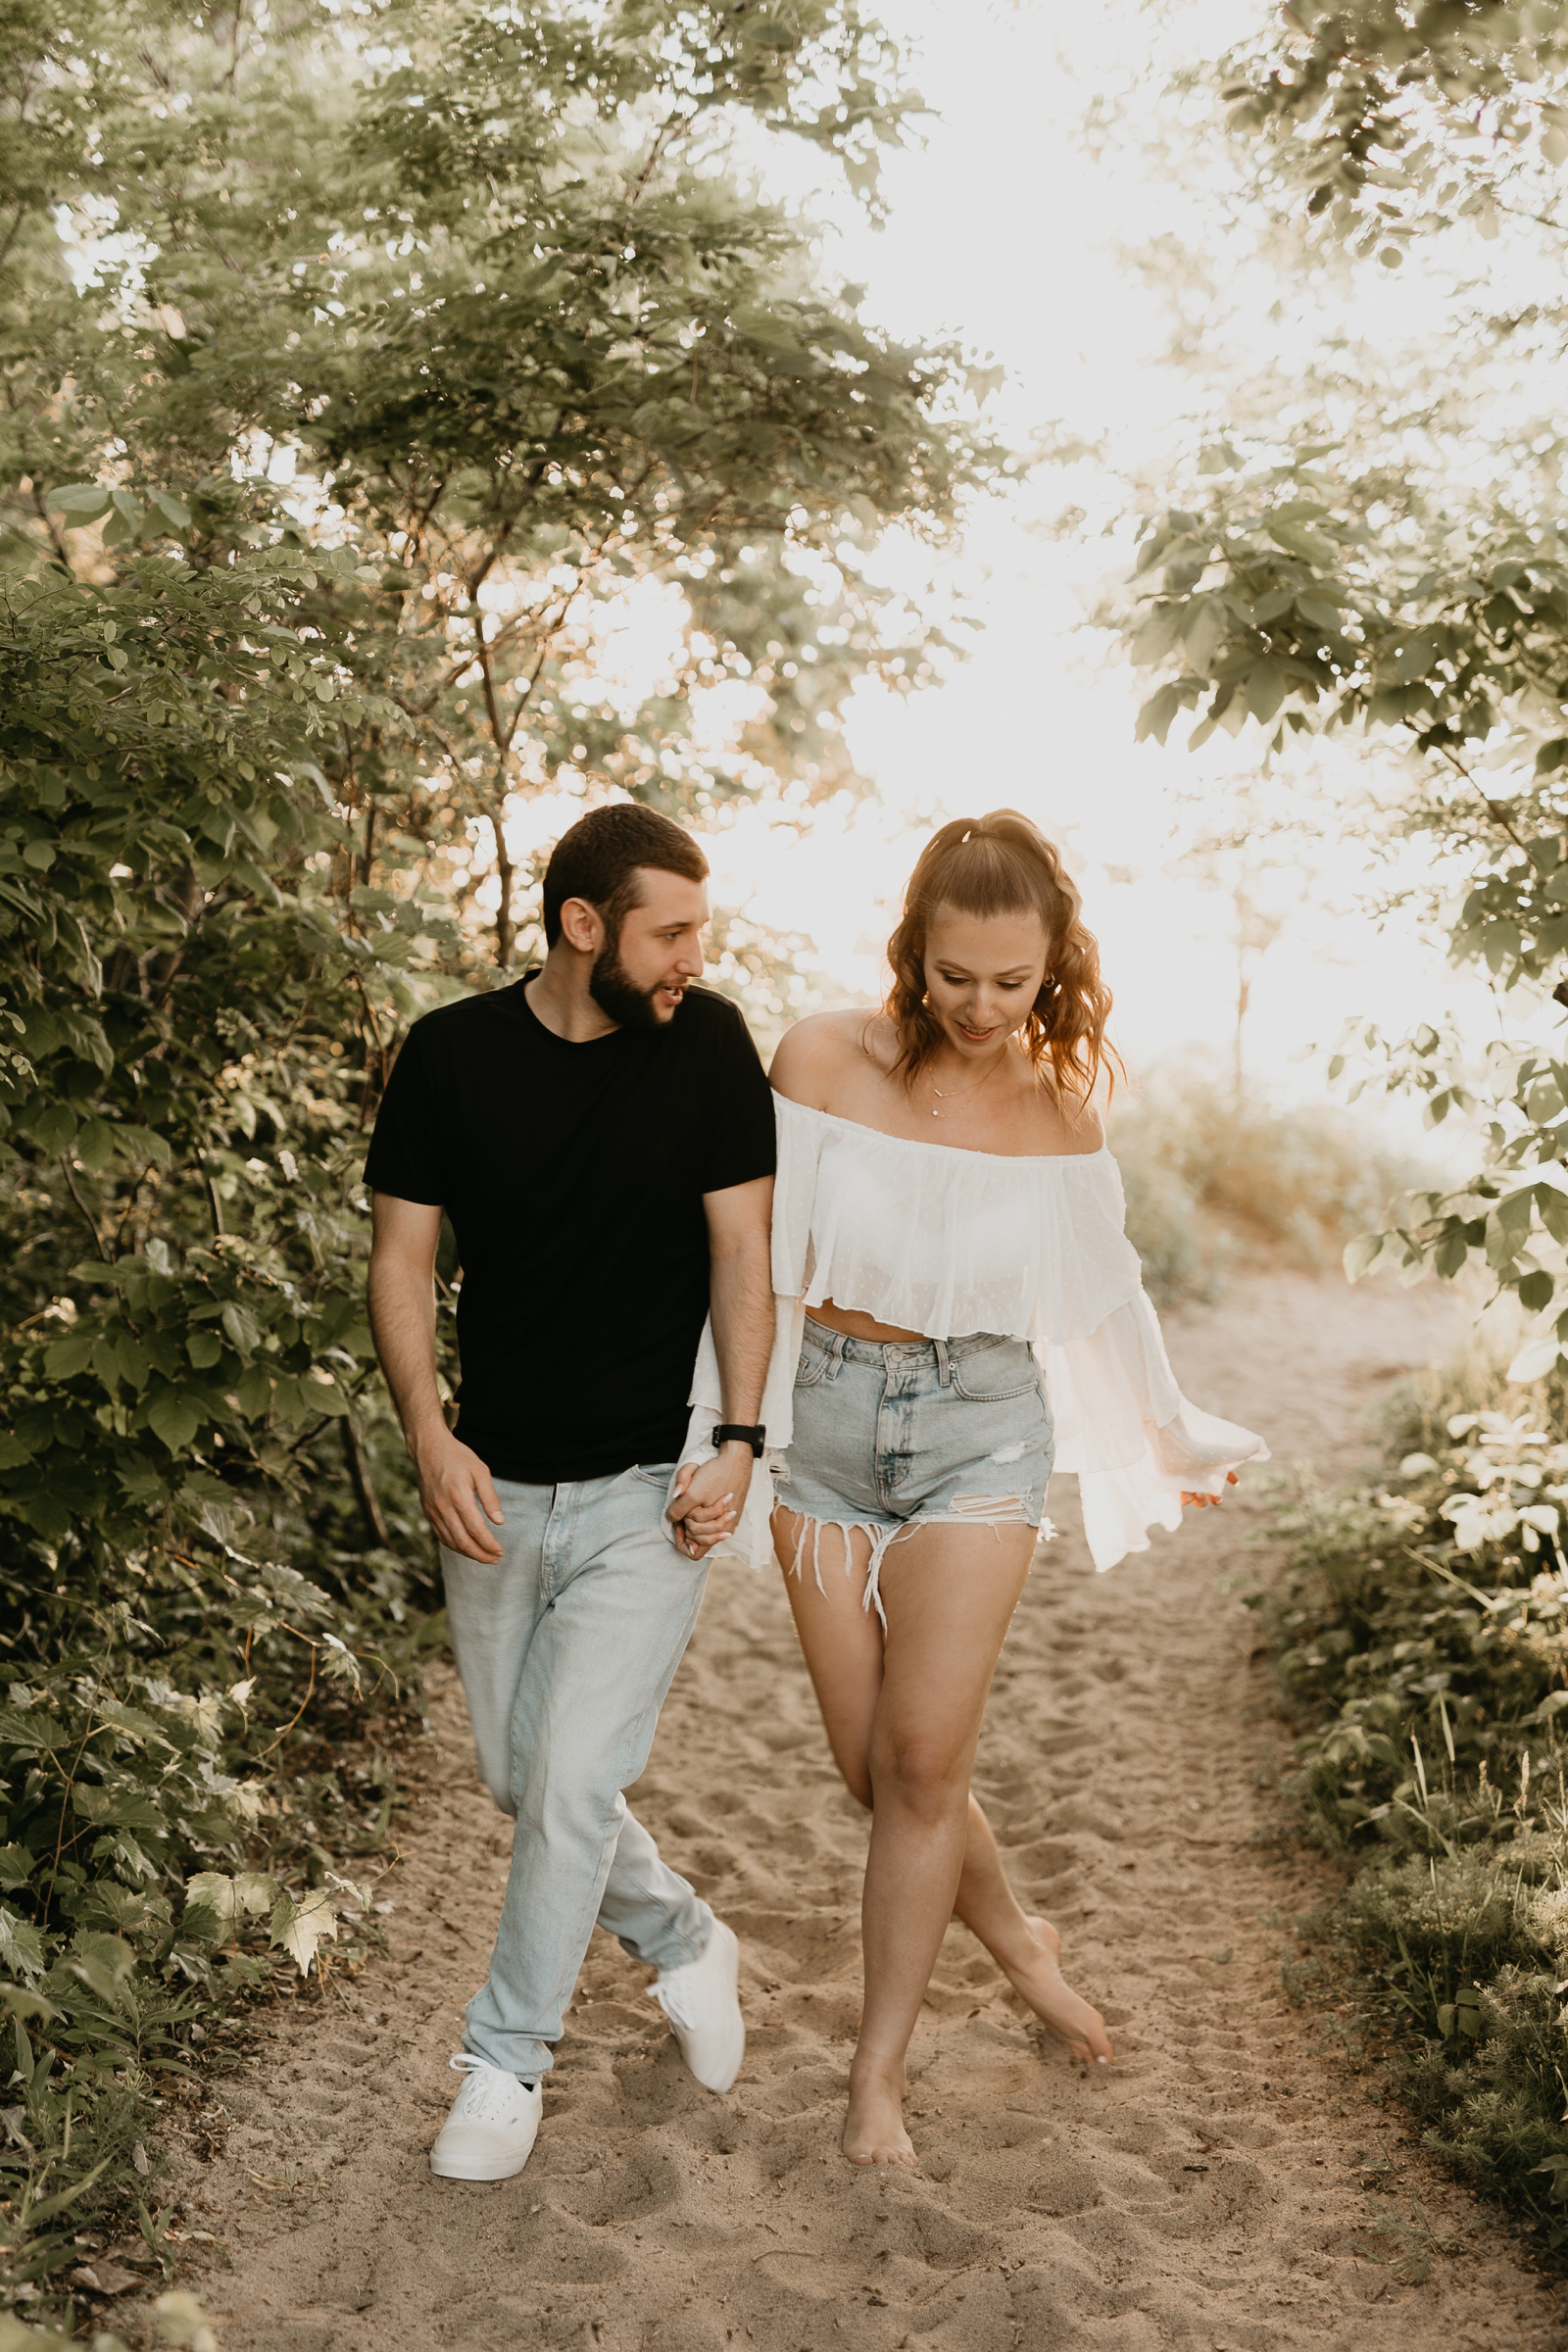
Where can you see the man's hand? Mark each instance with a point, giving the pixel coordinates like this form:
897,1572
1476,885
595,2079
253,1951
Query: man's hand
709,1497
457,1494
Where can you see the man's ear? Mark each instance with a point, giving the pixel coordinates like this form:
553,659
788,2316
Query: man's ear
582,927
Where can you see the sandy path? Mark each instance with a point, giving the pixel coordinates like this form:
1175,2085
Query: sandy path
1207,2192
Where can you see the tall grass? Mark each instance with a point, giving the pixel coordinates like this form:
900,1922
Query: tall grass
1213,1184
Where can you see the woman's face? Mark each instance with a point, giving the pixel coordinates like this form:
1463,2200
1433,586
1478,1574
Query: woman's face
982,975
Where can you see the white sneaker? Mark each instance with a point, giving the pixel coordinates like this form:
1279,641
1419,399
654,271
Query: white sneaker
494,2122
702,2002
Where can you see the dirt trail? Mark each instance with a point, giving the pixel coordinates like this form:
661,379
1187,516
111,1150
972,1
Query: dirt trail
1205,2193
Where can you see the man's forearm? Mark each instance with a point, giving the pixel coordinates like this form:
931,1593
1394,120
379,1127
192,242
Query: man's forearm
742,1304
402,1304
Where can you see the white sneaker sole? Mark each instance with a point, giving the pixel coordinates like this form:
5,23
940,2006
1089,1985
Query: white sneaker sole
478,2168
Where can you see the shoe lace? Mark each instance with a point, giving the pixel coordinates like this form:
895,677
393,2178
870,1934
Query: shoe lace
487,2094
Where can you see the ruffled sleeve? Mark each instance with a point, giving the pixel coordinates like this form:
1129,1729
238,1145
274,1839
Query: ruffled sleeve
1130,1437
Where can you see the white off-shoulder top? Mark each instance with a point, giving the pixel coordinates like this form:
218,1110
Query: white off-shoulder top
932,1238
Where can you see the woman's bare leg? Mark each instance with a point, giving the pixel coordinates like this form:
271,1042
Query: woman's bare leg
903,1713
844,1650
950,1591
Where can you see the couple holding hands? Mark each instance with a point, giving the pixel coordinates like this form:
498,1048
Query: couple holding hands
900,1276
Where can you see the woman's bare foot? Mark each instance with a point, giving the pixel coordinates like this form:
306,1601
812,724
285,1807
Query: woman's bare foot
1058,2008
873,2129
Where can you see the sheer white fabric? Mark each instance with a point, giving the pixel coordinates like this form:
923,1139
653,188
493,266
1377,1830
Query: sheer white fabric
945,1242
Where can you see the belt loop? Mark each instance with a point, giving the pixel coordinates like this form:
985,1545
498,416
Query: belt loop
944,1367
835,1354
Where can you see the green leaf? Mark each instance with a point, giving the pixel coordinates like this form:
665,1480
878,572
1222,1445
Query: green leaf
241,1327
1265,690
95,1144
67,1357
1361,1254
170,1418
105,1964
1154,719
21,1945
79,502
53,1128
172,509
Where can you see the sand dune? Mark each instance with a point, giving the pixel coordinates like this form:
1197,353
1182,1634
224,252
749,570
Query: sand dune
1222,2188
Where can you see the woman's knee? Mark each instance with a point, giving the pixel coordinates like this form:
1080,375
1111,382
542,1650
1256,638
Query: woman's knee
921,1773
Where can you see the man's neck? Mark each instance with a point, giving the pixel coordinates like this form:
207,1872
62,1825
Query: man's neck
558,998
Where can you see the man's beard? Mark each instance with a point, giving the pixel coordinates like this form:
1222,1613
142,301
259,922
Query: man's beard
616,994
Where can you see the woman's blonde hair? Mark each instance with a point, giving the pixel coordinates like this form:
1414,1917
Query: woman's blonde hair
1002,864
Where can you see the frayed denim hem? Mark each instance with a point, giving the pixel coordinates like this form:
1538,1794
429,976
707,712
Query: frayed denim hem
969,1510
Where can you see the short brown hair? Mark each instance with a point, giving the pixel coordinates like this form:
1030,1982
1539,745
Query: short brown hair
1002,864
597,859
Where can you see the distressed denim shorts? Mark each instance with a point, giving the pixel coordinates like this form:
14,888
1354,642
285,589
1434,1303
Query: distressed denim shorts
891,1435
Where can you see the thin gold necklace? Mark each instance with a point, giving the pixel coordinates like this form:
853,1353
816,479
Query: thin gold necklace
966,1090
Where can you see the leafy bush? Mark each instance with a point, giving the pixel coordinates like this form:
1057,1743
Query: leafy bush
1212,1184
1422,1633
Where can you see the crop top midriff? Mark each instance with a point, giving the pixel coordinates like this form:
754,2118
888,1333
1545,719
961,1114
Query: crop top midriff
927,1237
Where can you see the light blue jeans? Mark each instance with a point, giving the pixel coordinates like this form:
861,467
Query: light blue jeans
566,1647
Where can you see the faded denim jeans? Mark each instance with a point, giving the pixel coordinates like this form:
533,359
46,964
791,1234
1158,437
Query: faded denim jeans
566,1647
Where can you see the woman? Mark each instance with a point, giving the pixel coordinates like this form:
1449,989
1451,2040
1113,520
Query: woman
946,1206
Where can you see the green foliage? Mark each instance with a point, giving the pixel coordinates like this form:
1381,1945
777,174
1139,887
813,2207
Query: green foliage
501,295
1212,1183
1422,1635
1390,118
1378,547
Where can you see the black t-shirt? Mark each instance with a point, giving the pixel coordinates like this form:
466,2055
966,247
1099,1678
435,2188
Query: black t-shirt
573,1176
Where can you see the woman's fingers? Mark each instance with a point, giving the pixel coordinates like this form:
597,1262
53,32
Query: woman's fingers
1233,1478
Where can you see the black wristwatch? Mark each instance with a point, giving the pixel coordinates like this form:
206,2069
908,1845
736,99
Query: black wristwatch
755,1439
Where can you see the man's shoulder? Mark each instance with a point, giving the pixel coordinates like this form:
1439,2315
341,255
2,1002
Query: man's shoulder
707,1015
462,1016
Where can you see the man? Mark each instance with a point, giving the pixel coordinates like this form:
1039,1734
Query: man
601,1135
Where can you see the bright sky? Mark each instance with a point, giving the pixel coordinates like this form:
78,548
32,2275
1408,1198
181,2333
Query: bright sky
1005,234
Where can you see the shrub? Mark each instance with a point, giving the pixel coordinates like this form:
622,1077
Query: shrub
1213,1184
1421,1632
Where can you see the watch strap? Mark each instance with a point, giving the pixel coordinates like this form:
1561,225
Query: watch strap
755,1439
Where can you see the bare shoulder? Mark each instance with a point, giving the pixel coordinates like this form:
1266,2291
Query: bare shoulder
813,1057
1087,1128
1080,1131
